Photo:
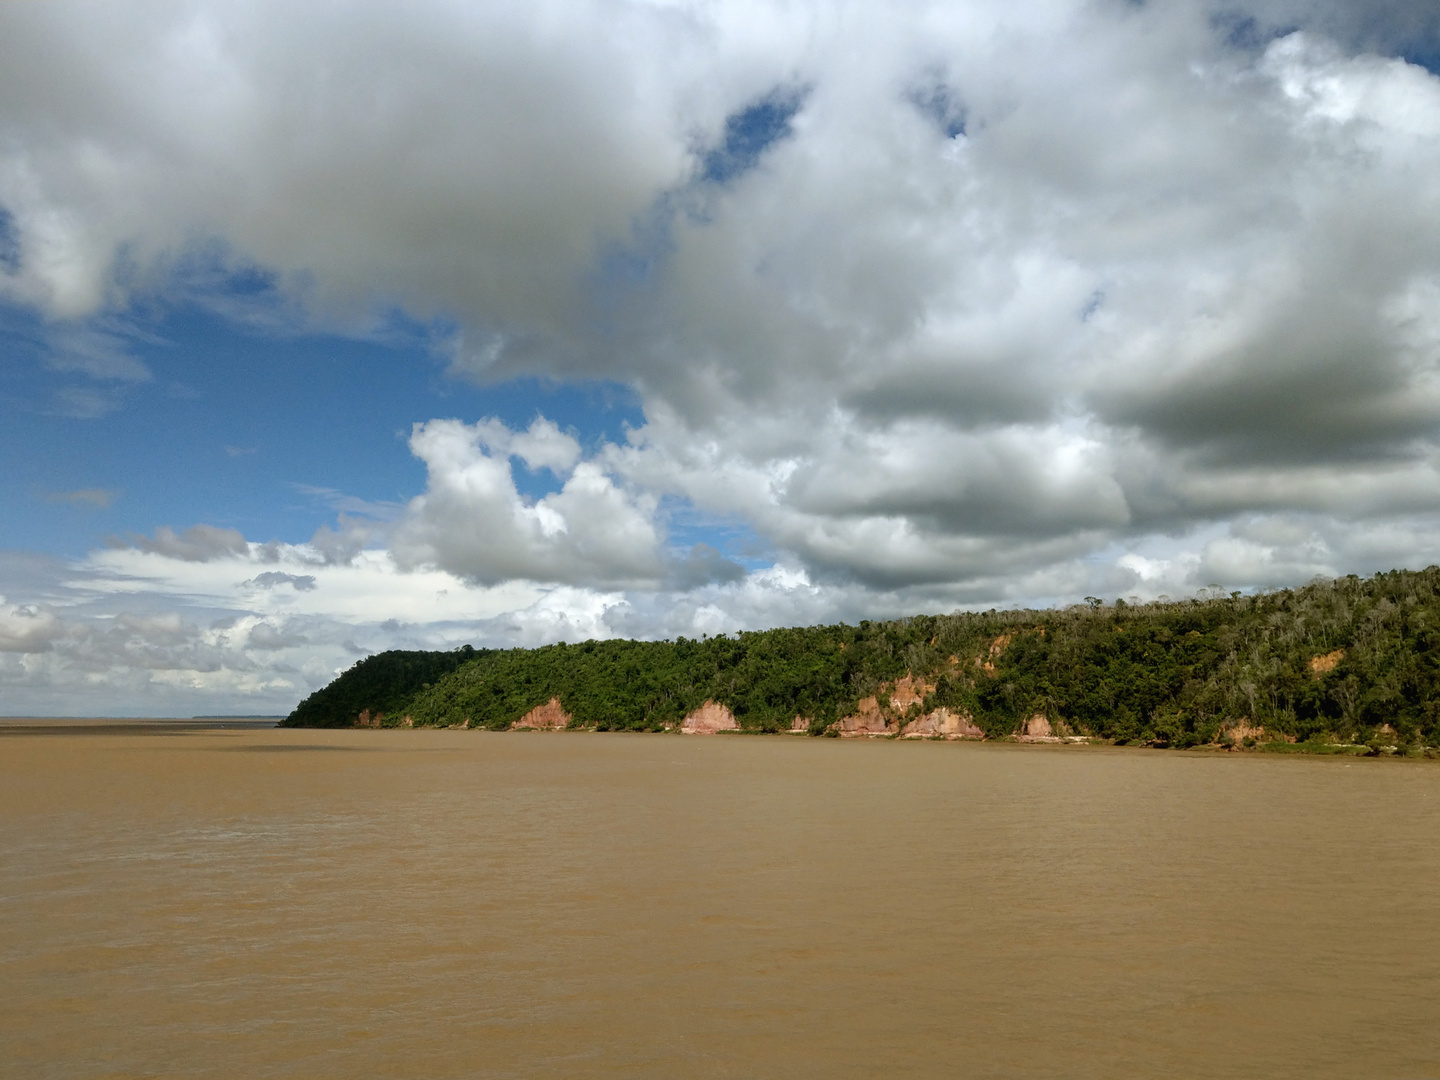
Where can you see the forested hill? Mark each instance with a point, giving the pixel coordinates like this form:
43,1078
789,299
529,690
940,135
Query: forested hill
378,685
1345,660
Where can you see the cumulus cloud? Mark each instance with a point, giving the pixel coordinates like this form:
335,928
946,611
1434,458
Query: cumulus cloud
26,628
541,446
472,155
947,304
472,520
133,630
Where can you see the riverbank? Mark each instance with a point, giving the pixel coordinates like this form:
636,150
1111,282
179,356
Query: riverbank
1344,662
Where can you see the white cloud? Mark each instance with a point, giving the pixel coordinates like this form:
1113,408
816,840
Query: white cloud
472,521
1164,312
541,446
130,630
143,631
26,628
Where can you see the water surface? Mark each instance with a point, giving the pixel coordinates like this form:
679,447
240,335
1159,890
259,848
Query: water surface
272,903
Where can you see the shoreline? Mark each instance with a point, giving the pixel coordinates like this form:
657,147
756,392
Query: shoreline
55,725
113,725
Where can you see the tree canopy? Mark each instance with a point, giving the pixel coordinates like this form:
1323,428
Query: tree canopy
1336,659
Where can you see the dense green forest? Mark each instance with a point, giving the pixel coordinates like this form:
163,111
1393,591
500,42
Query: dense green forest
381,685
1342,661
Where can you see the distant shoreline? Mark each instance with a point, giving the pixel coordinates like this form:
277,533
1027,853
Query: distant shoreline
41,725
242,716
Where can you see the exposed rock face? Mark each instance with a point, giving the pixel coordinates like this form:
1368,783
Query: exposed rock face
1242,729
708,719
1039,729
884,713
987,664
942,724
547,717
1323,665
868,720
799,726
1038,726
909,691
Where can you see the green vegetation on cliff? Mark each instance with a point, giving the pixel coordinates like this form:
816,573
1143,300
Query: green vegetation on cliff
379,685
1333,661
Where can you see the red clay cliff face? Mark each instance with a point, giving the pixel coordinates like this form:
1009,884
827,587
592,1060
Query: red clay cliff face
548,717
942,724
872,718
867,720
909,691
708,719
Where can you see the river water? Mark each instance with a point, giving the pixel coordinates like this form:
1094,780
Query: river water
434,904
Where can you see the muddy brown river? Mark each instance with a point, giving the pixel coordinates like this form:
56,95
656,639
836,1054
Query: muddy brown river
203,902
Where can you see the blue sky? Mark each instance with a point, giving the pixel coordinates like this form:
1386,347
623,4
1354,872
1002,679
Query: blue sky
330,329
268,433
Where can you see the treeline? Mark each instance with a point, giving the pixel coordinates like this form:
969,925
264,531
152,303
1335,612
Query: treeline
1336,661
380,685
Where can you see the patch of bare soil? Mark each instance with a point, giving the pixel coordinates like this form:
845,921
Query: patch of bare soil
548,717
1240,730
986,663
709,719
1323,665
1038,729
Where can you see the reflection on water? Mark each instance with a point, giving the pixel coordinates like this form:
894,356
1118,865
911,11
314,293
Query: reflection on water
467,904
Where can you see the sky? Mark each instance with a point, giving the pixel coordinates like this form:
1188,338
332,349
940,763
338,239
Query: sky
333,328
